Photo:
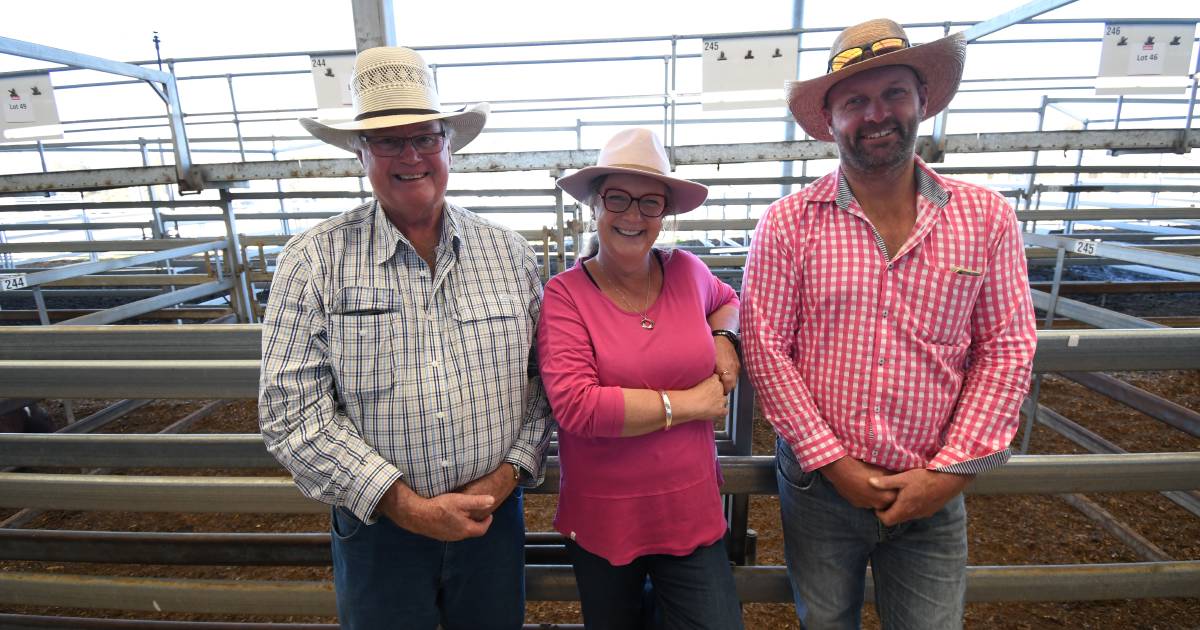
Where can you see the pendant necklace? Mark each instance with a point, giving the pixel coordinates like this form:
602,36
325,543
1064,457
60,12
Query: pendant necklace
647,323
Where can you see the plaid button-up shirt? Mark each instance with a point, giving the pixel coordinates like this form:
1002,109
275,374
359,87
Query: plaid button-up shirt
919,360
373,370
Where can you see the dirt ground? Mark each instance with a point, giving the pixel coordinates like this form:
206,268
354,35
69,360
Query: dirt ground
1004,530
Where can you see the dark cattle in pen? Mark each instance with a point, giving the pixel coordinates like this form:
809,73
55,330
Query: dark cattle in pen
24,416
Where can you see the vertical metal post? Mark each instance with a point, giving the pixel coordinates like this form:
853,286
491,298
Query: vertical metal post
40,301
1187,125
560,230
674,82
240,294
156,226
789,127
666,121
1059,256
1073,197
1034,163
578,134
237,121
1031,420
1117,117
87,232
283,223
42,156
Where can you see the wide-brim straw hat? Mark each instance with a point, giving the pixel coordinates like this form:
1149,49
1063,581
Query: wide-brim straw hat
938,64
637,152
392,86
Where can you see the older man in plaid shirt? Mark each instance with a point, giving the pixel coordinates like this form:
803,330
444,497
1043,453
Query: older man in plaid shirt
889,332
397,382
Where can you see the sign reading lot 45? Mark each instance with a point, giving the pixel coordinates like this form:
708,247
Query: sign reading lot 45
8,283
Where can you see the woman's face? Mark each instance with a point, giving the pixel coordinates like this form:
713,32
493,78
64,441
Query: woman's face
628,236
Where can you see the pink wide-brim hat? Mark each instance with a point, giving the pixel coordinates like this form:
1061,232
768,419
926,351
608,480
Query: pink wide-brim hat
392,86
637,152
938,64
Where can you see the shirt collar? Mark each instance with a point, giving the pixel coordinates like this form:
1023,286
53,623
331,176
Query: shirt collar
929,185
388,239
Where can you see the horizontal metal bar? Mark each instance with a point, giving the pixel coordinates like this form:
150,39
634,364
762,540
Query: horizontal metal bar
216,174
1029,474
1141,256
1087,582
1155,406
89,268
163,342
234,378
1089,314
150,304
46,622
126,245
164,361
80,60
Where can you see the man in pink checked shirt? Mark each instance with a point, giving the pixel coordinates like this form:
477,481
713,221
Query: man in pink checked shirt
889,332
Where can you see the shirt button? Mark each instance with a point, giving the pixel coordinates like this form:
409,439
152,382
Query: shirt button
445,463
434,364
884,314
440,415
876,408
882,361
889,266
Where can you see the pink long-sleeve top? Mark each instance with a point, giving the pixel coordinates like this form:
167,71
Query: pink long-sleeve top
625,497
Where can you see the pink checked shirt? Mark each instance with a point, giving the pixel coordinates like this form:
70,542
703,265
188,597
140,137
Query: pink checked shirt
918,361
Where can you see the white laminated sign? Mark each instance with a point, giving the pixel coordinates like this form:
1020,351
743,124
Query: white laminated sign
1145,57
746,72
331,78
29,108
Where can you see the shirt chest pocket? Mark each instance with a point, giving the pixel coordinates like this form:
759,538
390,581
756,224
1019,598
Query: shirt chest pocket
362,328
942,295
492,332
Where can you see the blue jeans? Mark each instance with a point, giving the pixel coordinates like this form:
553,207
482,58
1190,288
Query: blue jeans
692,591
388,577
919,567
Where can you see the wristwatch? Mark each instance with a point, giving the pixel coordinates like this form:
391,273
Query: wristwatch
730,335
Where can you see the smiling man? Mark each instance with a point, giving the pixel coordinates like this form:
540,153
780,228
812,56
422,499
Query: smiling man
888,331
398,382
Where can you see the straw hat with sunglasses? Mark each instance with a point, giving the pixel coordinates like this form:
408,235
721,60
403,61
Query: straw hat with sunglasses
872,44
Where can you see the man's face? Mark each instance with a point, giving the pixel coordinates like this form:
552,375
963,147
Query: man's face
874,117
409,185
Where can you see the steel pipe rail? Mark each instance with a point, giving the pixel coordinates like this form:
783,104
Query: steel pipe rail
1126,253
231,378
1089,314
161,362
557,583
215,174
1028,474
155,342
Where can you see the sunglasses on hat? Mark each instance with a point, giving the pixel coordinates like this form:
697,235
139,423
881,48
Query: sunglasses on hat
866,51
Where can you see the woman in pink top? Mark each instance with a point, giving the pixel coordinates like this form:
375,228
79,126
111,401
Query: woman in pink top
635,347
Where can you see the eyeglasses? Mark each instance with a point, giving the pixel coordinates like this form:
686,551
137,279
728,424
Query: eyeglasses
391,146
650,205
866,51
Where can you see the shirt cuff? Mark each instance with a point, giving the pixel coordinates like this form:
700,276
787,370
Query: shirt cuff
367,488
531,465
818,450
954,460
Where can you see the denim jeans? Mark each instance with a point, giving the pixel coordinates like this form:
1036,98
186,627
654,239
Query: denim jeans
388,577
689,592
918,567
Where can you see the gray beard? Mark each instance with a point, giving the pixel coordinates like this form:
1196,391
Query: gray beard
852,152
